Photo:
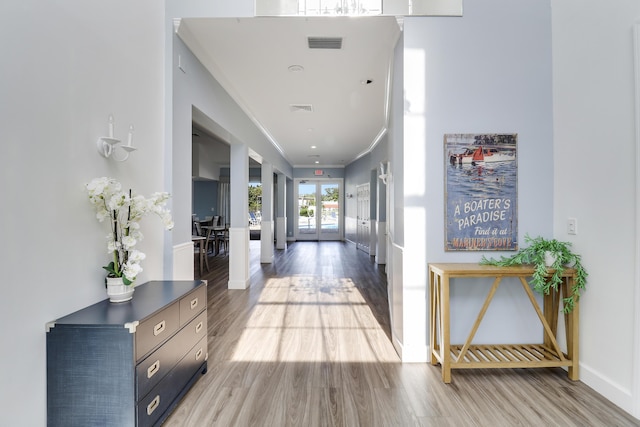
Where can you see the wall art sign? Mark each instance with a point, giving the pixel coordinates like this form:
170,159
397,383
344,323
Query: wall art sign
481,184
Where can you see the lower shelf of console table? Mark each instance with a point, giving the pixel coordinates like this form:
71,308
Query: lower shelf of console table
127,364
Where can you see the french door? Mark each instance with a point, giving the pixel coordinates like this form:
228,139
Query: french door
319,209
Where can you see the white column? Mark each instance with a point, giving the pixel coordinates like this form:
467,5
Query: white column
413,188
266,224
239,223
281,213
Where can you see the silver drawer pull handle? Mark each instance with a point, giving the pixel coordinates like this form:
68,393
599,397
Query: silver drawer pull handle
153,405
198,327
157,330
153,369
199,354
194,303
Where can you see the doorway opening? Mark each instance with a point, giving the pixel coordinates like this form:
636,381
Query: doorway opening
255,210
319,210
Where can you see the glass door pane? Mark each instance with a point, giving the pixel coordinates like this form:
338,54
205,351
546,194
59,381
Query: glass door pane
329,220
307,209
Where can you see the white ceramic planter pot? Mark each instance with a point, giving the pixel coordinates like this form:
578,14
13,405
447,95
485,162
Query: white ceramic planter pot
117,291
549,258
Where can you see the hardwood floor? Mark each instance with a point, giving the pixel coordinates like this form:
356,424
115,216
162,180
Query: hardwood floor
309,345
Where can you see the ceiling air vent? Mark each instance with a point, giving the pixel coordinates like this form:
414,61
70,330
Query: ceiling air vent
325,42
308,108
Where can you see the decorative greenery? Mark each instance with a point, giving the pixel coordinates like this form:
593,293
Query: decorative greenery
306,212
255,197
544,279
124,211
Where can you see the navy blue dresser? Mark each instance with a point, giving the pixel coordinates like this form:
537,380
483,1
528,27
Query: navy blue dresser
127,364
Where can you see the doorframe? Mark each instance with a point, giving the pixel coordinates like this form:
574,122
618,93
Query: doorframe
318,236
363,240
635,382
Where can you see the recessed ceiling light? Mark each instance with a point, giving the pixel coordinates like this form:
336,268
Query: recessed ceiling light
296,68
314,147
317,161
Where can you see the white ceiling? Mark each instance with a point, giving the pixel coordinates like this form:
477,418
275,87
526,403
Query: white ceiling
250,58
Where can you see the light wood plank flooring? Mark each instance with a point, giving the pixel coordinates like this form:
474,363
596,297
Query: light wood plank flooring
308,345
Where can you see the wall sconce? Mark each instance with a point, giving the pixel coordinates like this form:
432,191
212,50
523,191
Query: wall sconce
385,176
349,196
107,145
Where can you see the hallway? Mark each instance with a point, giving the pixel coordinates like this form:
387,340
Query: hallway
308,345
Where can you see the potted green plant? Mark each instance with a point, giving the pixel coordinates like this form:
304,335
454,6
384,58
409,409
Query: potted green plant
549,258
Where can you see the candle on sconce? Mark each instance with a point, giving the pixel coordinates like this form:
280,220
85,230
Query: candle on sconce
130,138
110,125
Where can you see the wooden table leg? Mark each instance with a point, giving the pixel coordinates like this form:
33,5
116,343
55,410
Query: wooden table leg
572,326
446,329
435,309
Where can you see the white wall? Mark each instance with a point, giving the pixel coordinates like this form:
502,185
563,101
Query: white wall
197,88
489,71
595,181
67,66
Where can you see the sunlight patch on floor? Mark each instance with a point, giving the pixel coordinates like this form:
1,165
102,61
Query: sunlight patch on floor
313,319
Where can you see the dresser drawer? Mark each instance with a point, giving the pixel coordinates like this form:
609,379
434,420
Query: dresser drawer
162,396
192,333
153,369
154,330
192,304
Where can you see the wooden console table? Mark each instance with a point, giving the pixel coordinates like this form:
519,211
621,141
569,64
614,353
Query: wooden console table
469,356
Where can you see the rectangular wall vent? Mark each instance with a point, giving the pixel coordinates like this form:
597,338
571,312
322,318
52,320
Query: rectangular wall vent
308,108
325,42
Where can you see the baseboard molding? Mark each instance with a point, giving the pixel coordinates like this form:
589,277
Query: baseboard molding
396,344
613,392
238,284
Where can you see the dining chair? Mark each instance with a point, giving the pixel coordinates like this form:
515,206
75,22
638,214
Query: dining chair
222,240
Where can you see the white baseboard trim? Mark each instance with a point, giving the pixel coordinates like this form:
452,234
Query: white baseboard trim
410,354
413,354
610,390
238,284
396,344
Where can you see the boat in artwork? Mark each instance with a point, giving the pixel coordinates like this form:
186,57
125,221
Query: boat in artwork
482,154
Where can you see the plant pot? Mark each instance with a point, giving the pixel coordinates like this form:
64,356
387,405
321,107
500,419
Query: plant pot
549,258
117,291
